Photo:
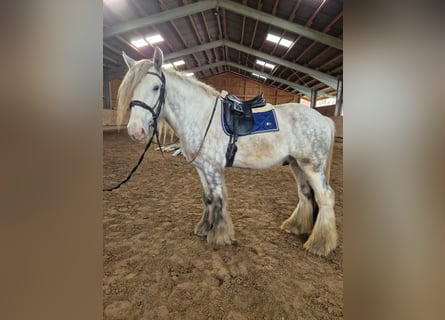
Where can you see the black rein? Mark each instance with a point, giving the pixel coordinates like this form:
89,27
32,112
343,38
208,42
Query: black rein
159,104
155,111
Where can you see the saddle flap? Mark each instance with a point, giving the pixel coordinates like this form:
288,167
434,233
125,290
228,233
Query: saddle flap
236,107
244,119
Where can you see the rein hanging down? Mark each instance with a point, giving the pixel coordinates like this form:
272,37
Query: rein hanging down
156,113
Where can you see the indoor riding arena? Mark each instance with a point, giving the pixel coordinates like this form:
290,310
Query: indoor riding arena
155,266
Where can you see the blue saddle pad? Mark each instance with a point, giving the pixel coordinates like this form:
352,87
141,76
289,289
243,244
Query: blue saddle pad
265,121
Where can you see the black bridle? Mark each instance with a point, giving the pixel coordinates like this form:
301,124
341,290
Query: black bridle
155,111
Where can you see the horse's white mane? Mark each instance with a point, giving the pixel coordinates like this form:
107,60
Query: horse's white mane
134,76
207,88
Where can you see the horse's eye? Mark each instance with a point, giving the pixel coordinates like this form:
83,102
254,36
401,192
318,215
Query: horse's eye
155,88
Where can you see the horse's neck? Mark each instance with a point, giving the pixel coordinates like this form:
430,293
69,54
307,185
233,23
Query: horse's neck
188,109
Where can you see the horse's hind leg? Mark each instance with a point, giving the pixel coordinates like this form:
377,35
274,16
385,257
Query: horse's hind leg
323,238
203,227
301,220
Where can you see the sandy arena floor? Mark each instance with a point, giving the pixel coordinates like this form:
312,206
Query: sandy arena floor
156,268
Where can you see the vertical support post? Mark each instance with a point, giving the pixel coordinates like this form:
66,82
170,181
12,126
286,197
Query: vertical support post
313,98
339,103
245,89
298,99
107,94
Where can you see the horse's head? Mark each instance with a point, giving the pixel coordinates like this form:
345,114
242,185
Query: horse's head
143,90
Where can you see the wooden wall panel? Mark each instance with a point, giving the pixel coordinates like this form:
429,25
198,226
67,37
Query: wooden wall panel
338,120
247,89
280,99
326,110
114,88
242,87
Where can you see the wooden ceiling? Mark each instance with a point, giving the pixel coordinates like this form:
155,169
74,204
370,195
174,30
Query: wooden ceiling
215,36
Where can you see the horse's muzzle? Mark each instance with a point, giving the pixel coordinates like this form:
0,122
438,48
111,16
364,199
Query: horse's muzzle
140,134
137,132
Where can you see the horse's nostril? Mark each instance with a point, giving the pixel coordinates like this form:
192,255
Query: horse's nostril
139,134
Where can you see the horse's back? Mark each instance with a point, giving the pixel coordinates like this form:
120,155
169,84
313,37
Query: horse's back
303,115
309,130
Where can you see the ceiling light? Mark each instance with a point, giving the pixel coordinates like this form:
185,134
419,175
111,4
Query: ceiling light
179,63
260,62
189,74
273,38
265,64
281,41
154,38
285,42
139,43
167,65
257,75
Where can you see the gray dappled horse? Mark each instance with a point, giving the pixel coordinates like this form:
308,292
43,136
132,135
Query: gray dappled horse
304,141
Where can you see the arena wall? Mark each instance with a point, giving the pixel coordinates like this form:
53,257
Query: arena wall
242,87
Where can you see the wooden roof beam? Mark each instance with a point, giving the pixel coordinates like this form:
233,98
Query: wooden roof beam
233,6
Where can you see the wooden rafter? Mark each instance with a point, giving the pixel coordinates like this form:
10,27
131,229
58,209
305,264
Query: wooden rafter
242,35
209,35
127,43
121,18
226,36
274,13
204,36
143,13
291,18
175,27
307,24
111,60
325,29
259,6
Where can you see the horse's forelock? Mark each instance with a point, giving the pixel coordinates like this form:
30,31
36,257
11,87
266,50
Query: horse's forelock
131,79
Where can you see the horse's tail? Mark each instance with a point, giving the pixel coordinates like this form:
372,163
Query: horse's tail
331,150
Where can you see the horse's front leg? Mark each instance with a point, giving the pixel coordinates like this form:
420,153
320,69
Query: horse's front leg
203,226
220,227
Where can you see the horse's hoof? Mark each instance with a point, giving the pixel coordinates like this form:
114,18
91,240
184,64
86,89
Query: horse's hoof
292,227
287,227
200,233
202,229
216,242
221,234
321,246
219,239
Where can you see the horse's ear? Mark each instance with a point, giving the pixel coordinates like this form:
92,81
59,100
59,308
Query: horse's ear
158,58
128,61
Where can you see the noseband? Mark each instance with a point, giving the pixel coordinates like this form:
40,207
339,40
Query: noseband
156,109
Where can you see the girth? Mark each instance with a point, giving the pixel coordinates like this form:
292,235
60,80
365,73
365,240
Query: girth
239,118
